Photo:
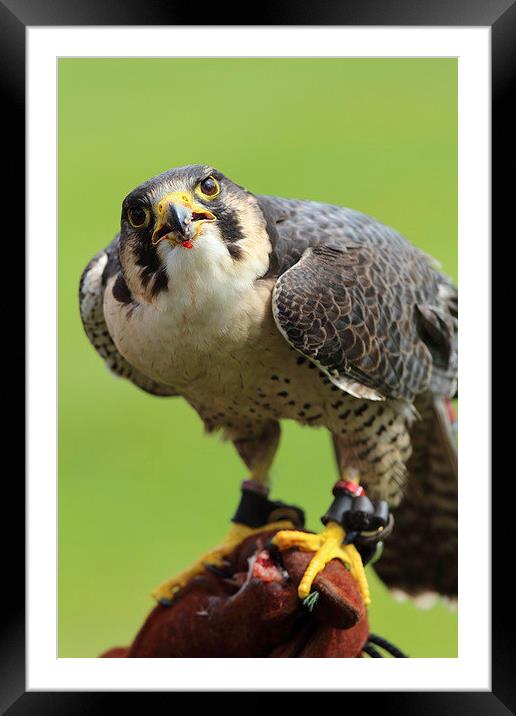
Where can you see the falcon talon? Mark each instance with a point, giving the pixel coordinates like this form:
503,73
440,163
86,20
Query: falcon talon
327,545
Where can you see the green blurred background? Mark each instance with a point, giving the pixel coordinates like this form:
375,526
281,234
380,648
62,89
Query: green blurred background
142,492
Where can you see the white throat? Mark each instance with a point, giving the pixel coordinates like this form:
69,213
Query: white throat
206,285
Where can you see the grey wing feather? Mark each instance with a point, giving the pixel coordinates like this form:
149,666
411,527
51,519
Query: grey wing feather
103,266
361,302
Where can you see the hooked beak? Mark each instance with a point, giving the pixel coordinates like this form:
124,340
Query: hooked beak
180,219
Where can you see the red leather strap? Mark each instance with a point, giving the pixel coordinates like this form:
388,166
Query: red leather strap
352,487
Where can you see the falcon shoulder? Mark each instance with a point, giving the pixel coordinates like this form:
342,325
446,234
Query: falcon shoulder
95,276
361,302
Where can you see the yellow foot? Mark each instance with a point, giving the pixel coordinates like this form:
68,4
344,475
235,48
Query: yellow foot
328,545
237,533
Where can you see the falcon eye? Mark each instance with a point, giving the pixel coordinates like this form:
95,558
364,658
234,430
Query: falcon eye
137,217
209,187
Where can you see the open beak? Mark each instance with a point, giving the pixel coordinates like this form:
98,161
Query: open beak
180,219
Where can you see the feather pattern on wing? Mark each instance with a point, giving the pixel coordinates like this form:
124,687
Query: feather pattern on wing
360,301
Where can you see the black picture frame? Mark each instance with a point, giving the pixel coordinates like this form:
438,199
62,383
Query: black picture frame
15,16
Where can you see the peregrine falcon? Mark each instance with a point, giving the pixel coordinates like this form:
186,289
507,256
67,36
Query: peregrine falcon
259,308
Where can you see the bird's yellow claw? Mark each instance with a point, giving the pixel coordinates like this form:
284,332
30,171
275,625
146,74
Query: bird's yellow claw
214,557
327,545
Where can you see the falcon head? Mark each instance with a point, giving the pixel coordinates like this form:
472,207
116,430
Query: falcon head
190,222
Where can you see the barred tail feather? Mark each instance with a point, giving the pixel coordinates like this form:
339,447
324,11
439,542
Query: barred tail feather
420,557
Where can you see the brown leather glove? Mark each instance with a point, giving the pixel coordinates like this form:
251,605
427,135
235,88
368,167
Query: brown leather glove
252,610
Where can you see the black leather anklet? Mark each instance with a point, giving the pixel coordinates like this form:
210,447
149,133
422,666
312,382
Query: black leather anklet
256,510
356,513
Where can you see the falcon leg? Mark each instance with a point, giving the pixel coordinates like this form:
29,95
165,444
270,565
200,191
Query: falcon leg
351,516
255,512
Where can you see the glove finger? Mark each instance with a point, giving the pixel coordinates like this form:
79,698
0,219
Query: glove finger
340,602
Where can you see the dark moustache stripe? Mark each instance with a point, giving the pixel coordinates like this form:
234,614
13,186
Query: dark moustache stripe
147,258
121,290
229,224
